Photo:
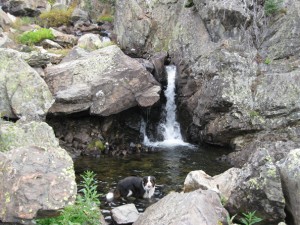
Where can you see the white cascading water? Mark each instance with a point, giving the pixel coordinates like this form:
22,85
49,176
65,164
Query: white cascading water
169,128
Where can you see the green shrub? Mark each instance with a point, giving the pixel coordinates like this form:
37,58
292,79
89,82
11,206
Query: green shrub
272,6
35,36
106,18
112,2
85,210
55,17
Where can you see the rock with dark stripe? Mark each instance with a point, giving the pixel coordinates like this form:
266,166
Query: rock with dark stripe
104,82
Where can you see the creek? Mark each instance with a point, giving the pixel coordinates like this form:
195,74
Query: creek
169,165
169,161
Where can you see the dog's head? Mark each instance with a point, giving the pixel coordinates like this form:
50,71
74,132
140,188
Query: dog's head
148,182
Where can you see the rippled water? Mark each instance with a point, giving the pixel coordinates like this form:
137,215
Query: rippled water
170,166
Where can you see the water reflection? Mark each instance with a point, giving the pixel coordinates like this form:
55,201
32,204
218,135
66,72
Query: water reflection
169,166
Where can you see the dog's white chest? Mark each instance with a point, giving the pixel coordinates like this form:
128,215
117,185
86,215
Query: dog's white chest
149,193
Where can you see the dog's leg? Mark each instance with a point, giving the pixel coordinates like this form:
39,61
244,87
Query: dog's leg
129,193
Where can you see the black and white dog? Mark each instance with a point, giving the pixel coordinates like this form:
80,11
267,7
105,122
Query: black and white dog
133,186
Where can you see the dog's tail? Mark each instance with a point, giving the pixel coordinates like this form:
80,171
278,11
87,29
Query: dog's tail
109,196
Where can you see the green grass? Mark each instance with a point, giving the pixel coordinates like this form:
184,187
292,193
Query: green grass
36,36
272,6
85,210
23,21
106,18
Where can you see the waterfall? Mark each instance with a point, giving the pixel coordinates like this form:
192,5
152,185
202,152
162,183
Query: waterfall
169,127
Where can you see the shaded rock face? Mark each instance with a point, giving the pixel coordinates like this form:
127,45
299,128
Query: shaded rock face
78,134
258,187
290,176
194,208
255,187
37,176
24,94
105,82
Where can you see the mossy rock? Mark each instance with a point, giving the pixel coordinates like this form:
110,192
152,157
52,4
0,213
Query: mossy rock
96,144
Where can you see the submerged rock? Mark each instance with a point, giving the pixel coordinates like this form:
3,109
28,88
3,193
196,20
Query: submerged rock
125,214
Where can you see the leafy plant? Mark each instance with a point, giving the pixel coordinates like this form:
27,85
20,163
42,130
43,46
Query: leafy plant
254,114
55,17
52,2
250,218
230,219
35,36
85,210
89,189
268,61
272,6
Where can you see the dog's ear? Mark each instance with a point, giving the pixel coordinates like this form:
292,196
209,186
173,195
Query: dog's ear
154,179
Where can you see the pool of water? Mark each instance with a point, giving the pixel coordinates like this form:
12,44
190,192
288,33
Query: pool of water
170,166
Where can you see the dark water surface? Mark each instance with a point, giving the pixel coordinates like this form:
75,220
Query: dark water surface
170,166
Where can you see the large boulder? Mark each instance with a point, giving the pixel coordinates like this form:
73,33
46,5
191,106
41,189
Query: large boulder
5,20
104,82
224,183
258,187
90,42
24,94
255,187
26,7
65,40
37,176
290,175
194,208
